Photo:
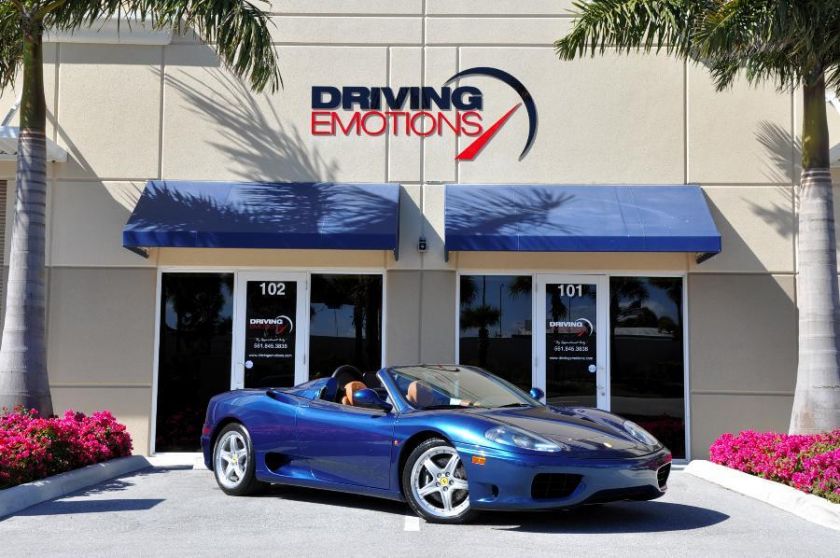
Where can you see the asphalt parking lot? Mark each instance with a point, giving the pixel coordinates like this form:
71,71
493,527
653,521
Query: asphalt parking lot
181,512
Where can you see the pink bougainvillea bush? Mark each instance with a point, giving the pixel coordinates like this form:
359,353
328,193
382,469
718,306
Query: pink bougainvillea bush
810,463
34,447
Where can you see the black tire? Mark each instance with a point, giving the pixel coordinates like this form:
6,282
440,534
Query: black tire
247,484
410,497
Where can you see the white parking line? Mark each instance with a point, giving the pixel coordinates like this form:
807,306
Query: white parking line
412,523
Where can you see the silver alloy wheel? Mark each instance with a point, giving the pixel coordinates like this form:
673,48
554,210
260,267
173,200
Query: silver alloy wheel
439,483
231,459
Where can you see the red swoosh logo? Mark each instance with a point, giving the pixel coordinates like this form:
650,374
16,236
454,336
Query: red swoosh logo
475,147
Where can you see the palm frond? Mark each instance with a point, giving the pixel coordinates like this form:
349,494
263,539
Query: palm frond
756,36
630,25
237,29
785,41
11,45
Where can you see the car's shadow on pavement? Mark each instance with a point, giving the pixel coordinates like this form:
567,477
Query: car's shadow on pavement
618,517
339,499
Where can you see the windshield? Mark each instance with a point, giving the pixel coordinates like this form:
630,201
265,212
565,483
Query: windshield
428,387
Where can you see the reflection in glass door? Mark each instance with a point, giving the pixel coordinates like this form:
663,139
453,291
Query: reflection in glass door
495,323
193,354
647,362
571,343
271,340
345,323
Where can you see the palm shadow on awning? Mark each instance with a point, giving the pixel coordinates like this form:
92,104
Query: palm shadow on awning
264,215
510,213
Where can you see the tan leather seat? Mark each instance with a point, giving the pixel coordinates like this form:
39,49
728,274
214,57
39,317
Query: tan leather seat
349,390
419,395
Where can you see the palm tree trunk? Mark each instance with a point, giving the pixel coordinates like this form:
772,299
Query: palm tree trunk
23,354
816,402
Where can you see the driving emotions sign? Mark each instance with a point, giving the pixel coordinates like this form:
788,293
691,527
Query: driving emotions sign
353,110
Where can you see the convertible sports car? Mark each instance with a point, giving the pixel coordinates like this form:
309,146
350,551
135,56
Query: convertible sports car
449,440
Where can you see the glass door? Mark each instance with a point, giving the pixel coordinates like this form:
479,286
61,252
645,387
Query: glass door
571,340
270,341
194,354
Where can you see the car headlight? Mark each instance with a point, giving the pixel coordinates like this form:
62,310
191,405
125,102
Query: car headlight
639,433
512,436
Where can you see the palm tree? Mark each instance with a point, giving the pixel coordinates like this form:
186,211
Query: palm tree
481,317
674,291
236,29
792,43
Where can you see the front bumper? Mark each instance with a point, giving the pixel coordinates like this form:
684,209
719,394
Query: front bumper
505,480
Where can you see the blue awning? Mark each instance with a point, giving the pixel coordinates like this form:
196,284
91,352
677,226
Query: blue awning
321,215
547,218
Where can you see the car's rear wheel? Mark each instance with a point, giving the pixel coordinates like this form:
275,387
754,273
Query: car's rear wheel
233,461
435,483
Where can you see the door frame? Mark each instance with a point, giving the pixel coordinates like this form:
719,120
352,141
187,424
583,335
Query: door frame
602,356
236,270
237,353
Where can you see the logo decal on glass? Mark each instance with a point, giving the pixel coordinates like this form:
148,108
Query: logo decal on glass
581,327
279,325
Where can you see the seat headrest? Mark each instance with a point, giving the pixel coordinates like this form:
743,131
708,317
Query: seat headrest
347,369
420,395
350,389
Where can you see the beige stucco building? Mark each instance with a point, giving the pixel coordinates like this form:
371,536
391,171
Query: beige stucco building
693,349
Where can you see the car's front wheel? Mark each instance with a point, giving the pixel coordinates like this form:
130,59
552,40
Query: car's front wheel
233,461
435,483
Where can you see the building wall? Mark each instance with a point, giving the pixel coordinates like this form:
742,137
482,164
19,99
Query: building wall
613,119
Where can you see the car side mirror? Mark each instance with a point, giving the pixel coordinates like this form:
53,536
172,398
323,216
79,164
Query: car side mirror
369,398
536,393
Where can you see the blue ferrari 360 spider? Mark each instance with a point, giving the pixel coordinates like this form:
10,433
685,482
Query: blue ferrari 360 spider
449,440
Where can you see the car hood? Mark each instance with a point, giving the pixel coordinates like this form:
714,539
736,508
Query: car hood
587,432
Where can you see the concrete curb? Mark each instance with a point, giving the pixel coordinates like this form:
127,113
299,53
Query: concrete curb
807,506
177,460
17,498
